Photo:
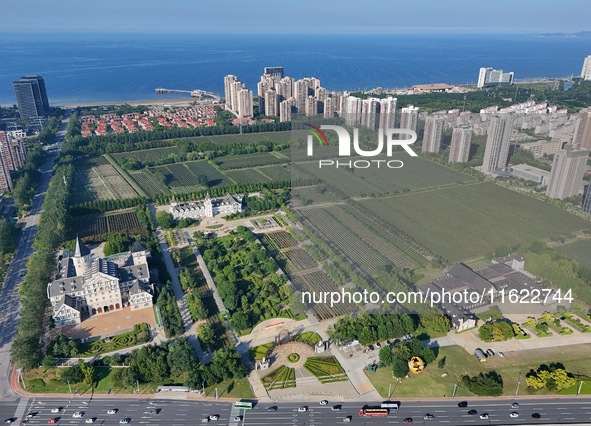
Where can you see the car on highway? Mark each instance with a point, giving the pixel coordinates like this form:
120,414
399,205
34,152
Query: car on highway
78,414
273,408
53,421
238,418
515,405
536,415
56,409
428,416
113,411
10,420
125,421
336,407
514,415
407,421
347,419
463,404
90,420
154,411
214,417
302,409
324,402
472,412
484,416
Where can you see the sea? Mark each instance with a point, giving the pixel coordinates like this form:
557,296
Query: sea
83,68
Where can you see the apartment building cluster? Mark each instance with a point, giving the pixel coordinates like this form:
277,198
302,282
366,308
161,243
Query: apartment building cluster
12,157
239,99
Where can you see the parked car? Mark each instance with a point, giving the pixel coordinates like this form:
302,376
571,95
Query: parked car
378,345
370,348
501,354
490,352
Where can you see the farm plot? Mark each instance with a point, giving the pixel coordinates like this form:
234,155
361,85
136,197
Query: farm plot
279,172
113,223
472,220
202,167
247,175
361,228
149,183
317,281
275,241
148,155
97,179
249,160
417,173
295,261
177,175
247,138
360,252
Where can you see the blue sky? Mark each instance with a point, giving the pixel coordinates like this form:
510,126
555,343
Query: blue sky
295,16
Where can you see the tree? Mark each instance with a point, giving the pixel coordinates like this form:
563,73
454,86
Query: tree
117,243
124,377
240,321
73,374
206,334
165,220
181,356
400,367
435,323
386,355
88,372
489,384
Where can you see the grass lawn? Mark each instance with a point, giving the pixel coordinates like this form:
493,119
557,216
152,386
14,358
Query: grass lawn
42,380
458,362
231,389
578,251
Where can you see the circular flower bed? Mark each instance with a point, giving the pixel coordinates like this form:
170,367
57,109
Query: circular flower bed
293,357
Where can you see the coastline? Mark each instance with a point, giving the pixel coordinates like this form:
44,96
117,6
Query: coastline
173,101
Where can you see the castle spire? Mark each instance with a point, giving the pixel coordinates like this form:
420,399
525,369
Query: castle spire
80,249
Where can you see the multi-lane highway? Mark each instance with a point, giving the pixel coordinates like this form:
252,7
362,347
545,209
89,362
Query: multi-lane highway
176,412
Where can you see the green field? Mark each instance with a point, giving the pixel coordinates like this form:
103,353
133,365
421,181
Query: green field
417,173
458,362
250,160
579,251
96,179
473,220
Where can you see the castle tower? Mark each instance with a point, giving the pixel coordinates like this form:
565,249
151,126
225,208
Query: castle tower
208,204
81,257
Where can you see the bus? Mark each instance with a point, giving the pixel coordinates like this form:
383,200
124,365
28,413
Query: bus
392,405
373,412
244,404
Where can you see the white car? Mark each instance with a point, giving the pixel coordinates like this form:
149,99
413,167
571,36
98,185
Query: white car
238,418
484,416
515,405
302,409
214,417
112,411
514,415
89,420
501,354
55,410
124,421
78,414
324,402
